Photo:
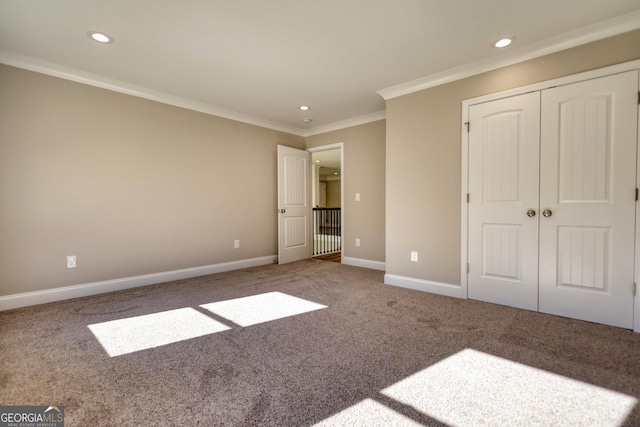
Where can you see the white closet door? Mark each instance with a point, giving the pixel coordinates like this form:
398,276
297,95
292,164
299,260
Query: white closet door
587,186
503,186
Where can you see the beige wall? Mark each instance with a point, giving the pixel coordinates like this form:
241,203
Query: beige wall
364,173
334,194
130,186
423,155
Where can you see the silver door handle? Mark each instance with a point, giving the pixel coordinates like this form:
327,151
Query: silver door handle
547,213
282,211
531,213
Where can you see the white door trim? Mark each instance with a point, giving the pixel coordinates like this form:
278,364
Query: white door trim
335,146
464,214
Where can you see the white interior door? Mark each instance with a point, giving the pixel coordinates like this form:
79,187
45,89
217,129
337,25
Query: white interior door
503,187
294,205
587,187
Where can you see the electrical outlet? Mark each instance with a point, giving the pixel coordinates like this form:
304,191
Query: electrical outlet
414,256
358,242
71,261
357,197
236,244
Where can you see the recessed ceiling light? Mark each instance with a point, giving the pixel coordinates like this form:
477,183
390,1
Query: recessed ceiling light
303,107
100,37
335,173
504,42
317,161
307,120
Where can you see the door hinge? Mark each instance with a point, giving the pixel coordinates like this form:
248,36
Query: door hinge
468,197
636,194
468,125
635,289
638,97
467,267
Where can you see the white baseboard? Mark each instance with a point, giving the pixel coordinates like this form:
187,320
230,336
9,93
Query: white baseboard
58,294
425,285
365,263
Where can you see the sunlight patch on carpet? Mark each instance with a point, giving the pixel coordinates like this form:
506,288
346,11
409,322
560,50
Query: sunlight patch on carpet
261,308
367,413
133,334
471,388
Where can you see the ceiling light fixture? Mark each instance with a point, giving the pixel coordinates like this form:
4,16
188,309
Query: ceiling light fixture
504,42
100,37
307,120
303,107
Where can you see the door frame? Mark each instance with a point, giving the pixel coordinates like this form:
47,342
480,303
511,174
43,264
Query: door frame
464,211
335,146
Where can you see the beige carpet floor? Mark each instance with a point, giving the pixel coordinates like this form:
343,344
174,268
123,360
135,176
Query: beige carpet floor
361,353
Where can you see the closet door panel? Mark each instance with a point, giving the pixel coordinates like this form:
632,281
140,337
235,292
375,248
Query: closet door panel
587,189
503,185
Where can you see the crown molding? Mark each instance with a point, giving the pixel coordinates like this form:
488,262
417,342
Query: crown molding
72,74
360,120
601,30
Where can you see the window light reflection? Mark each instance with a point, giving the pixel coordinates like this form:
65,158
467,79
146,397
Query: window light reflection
124,336
129,335
261,308
368,413
472,387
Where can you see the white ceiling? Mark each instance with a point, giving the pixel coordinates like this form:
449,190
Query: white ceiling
258,60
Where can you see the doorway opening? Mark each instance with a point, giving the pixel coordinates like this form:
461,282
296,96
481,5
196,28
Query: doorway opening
327,188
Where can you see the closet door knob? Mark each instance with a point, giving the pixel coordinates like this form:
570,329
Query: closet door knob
547,213
531,213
